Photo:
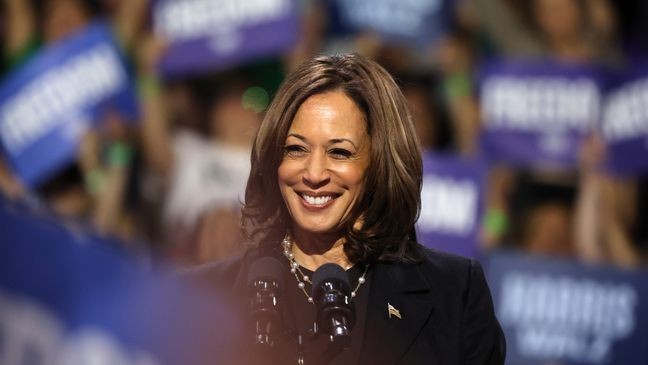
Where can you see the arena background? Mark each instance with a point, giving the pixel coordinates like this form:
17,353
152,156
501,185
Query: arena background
126,128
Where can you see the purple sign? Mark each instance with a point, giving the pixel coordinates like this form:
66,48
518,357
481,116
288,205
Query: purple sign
451,204
559,312
625,122
210,34
418,23
535,113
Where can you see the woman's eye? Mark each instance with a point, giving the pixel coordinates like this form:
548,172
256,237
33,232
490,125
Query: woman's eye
340,153
294,150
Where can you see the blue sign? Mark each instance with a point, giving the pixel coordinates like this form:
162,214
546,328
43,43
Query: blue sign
47,104
559,312
536,113
452,201
210,34
71,298
416,23
625,122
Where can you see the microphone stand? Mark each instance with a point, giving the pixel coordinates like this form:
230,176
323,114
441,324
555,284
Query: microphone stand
339,339
337,342
310,336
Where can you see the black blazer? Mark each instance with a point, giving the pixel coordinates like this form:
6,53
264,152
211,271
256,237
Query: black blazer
445,304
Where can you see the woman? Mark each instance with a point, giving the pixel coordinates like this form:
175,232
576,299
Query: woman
336,178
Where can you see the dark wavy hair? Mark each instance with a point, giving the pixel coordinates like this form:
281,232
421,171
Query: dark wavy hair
391,199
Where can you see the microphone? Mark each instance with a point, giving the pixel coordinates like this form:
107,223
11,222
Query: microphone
265,282
335,311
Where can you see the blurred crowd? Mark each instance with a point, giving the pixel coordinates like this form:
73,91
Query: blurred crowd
172,183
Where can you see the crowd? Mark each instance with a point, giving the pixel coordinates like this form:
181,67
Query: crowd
172,182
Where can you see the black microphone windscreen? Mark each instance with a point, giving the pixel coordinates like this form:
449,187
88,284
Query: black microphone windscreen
266,268
330,271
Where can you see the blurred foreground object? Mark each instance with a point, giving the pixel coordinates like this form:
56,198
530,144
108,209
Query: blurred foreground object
69,298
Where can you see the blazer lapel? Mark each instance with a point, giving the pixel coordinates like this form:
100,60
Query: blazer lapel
388,337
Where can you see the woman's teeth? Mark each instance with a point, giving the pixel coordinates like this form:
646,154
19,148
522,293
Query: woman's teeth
317,200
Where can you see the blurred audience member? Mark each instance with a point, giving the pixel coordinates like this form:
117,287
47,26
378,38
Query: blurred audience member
10,186
94,188
541,216
540,208
31,24
430,120
205,173
570,30
607,211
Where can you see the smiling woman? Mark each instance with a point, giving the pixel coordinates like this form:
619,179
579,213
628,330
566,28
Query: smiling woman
335,179
356,104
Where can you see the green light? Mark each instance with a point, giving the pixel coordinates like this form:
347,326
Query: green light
256,98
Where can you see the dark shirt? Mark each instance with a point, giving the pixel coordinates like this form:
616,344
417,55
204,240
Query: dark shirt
299,316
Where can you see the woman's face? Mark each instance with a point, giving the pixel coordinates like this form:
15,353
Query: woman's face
326,154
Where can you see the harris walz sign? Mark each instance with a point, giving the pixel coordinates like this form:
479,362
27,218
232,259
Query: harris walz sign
561,312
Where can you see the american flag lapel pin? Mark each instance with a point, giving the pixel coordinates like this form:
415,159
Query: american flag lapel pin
392,311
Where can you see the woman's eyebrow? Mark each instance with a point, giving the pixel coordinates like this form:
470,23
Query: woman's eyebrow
331,141
298,136
339,140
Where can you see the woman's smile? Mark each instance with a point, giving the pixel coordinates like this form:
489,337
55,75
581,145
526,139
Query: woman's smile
317,200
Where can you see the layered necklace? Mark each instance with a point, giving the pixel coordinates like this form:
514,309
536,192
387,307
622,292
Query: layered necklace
302,278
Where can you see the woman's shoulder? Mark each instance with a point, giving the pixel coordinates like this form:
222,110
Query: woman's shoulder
450,270
444,261
460,291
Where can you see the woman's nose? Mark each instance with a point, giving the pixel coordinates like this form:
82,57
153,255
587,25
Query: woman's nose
316,171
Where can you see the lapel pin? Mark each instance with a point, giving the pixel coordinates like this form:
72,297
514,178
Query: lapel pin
392,311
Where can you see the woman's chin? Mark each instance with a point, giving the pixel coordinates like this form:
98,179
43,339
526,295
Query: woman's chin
317,229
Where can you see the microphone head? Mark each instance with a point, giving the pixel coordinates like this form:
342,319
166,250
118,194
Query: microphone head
331,273
266,269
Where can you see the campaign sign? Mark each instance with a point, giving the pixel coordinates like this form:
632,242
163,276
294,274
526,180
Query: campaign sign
210,34
625,122
71,299
417,23
536,113
46,104
452,200
561,312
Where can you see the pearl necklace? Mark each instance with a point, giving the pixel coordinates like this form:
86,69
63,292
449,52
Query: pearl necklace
302,279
